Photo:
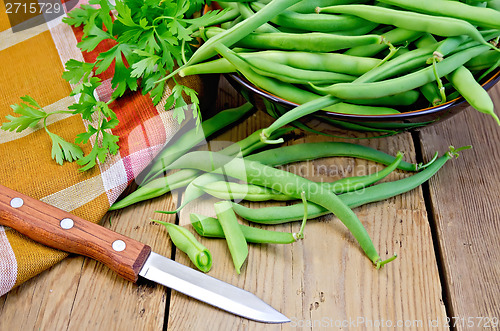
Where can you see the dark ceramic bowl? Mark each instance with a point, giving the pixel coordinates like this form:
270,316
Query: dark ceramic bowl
408,119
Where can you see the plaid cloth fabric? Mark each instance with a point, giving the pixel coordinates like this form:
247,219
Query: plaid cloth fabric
32,62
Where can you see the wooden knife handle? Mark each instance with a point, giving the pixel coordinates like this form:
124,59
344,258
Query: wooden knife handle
56,228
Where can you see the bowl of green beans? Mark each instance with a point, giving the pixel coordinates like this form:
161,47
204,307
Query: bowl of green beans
385,66
408,118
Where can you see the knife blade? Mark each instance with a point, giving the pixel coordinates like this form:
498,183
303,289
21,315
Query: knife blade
129,258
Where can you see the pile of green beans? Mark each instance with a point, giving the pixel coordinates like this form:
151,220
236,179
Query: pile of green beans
270,182
329,54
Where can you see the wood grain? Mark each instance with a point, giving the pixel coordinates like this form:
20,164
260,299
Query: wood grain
466,213
325,279
322,281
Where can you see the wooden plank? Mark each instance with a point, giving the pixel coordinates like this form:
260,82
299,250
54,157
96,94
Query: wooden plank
326,280
466,213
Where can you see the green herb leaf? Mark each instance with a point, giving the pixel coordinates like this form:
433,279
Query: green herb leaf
63,150
30,116
77,71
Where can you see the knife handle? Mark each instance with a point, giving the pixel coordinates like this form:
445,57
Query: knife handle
56,228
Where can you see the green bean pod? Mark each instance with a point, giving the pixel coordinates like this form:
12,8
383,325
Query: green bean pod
284,90
394,36
483,61
240,30
440,26
235,33
158,187
186,242
312,41
241,148
293,75
400,84
210,227
335,62
401,99
287,183
350,184
235,191
312,21
313,151
349,108
246,12
378,192
193,137
465,83
482,17
431,93
232,231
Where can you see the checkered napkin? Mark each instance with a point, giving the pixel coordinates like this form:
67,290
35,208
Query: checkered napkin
32,62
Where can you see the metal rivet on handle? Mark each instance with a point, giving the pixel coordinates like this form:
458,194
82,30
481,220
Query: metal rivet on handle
16,202
67,223
119,245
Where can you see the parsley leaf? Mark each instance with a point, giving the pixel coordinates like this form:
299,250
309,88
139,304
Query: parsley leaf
63,150
30,116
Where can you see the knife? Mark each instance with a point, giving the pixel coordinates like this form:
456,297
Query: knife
129,258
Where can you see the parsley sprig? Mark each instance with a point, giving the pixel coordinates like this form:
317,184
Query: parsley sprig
151,38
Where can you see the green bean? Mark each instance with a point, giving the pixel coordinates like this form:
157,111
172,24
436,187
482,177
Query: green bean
311,42
310,5
310,106
232,231
293,75
240,30
186,242
229,15
246,12
210,227
394,36
494,4
431,93
313,151
235,191
483,17
440,26
348,108
284,90
400,84
336,62
313,22
378,192
235,33
193,137
425,40
158,187
465,83
243,148
285,182
401,99
297,153
483,61
350,184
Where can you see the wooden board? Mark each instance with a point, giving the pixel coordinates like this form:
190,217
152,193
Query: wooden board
466,213
326,280
323,280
